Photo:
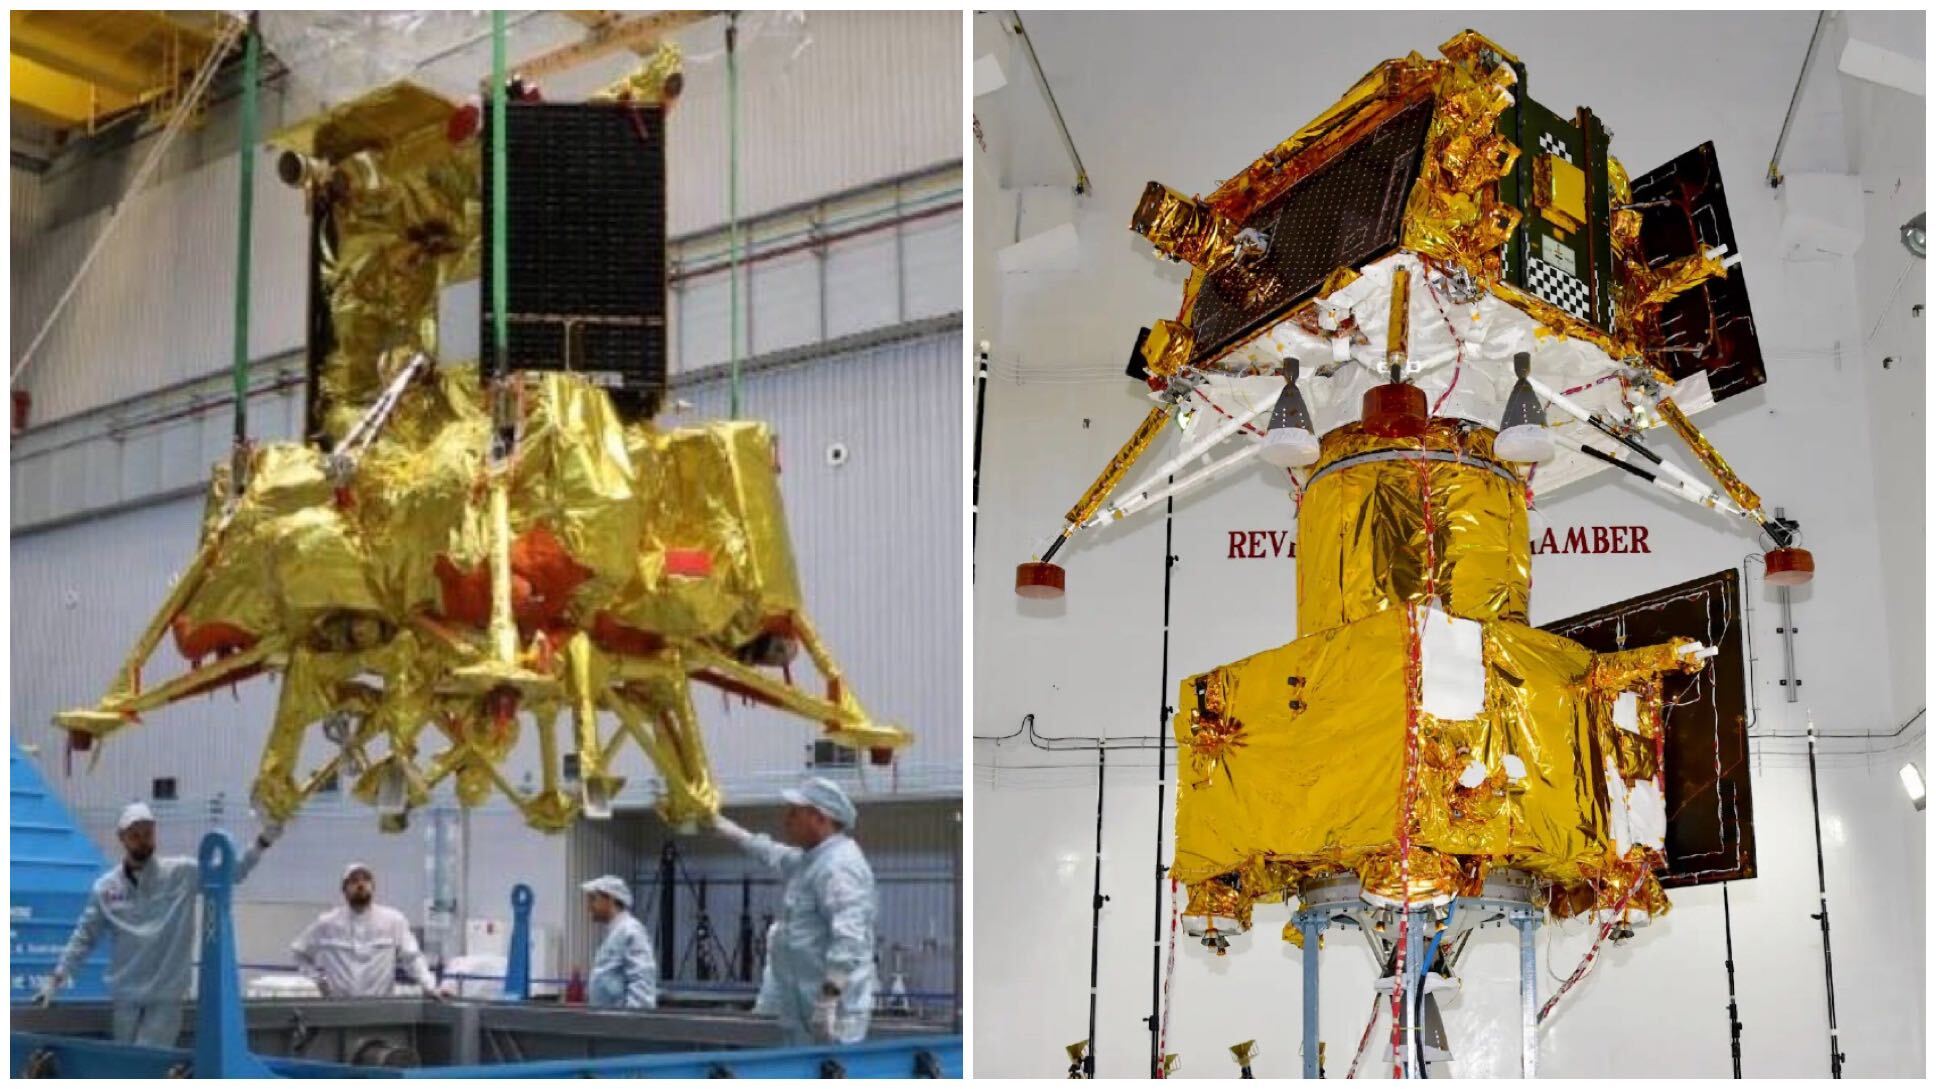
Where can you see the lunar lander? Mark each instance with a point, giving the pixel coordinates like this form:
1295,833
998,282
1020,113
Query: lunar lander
1442,300
463,549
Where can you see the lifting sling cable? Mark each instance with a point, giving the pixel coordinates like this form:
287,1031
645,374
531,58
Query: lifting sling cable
245,218
500,294
190,100
732,200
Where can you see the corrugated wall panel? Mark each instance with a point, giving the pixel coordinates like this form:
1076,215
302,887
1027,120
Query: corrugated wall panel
27,210
874,94
81,595
878,542
158,306
864,290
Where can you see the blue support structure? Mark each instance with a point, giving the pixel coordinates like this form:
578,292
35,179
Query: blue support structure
915,1057
1528,924
1311,925
221,1047
221,1038
517,968
51,866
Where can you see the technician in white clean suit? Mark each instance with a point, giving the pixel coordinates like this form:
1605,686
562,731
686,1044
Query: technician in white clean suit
146,908
625,975
353,951
820,955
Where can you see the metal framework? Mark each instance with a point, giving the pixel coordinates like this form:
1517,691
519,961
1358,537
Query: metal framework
1506,900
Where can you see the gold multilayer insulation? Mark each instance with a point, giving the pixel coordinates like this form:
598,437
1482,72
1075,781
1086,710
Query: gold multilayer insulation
1453,216
634,559
1294,760
1365,543
1319,757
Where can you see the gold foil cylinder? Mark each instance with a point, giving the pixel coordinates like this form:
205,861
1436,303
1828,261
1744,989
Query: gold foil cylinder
1363,545
1184,228
1399,329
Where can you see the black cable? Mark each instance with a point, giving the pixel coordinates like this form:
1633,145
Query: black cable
1734,1011
1162,781
1828,956
1095,917
974,505
1077,743
1028,721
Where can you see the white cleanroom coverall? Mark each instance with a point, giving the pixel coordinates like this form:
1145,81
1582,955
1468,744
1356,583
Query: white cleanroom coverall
624,973
354,954
148,917
825,933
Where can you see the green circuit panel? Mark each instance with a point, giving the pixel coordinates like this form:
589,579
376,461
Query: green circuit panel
1572,269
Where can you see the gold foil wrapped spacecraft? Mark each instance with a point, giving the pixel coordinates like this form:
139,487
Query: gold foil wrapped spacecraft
1297,755
1453,216
1363,545
426,607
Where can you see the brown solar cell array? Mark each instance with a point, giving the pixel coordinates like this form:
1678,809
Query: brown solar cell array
1684,210
1710,807
1345,214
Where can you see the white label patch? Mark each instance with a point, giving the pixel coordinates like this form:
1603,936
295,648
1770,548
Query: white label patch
1557,254
1647,814
458,326
1453,667
1626,712
1618,821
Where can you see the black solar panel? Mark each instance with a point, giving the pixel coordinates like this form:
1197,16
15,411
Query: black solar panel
1710,805
1684,210
586,251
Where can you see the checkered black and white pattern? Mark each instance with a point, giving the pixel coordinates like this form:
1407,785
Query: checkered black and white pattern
1552,145
1556,286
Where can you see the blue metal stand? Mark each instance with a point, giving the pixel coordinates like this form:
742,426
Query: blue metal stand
1312,927
517,969
1528,923
221,1039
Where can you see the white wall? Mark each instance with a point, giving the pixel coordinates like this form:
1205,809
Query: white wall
1190,99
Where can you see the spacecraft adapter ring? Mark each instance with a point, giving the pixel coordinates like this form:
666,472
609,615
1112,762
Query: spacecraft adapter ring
1415,455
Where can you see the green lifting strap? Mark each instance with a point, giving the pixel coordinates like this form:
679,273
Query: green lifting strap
244,231
732,198
500,292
